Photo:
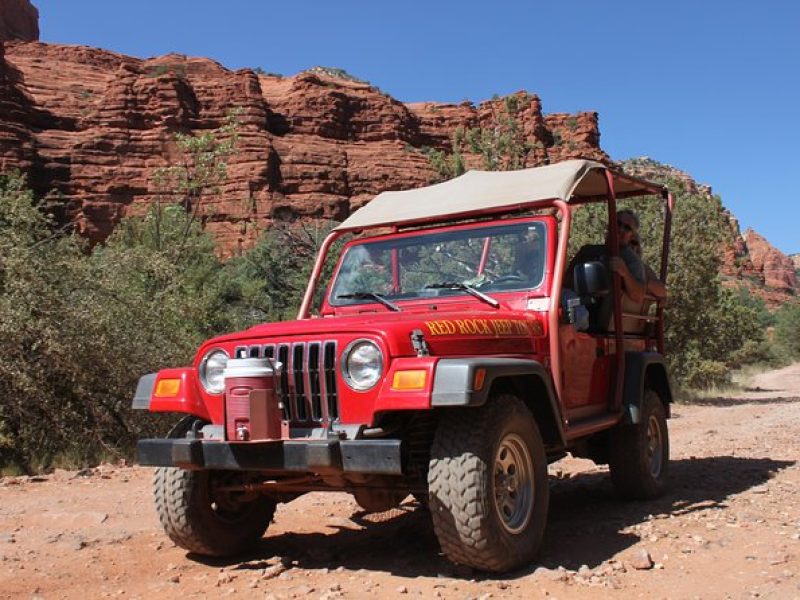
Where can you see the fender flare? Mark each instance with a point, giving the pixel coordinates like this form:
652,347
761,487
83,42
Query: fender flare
641,369
454,378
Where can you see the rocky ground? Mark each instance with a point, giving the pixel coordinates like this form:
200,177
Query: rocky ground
728,528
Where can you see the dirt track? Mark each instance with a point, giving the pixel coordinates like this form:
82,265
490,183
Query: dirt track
728,528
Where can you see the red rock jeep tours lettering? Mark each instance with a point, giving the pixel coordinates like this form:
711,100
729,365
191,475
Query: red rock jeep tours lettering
494,327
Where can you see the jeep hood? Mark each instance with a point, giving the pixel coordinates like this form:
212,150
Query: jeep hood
454,332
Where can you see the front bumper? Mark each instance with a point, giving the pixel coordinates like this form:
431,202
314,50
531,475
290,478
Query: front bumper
378,457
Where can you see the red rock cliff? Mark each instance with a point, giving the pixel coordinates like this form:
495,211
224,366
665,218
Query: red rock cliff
775,268
19,20
93,125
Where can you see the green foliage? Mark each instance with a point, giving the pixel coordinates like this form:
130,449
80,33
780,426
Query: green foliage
176,69
80,327
745,298
502,146
202,168
787,330
709,329
336,73
267,283
446,166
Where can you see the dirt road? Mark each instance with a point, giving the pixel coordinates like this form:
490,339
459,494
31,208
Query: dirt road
728,528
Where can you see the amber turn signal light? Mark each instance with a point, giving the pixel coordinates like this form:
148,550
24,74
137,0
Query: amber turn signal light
168,387
410,380
480,377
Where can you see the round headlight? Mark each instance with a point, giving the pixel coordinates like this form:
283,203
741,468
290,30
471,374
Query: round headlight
211,369
362,365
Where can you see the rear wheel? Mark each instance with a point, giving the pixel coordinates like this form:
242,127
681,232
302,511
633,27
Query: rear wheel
488,485
200,514
639,453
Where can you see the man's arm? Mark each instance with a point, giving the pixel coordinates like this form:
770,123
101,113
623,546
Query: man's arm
655,287
632,286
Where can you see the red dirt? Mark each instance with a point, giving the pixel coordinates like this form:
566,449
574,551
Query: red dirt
729,527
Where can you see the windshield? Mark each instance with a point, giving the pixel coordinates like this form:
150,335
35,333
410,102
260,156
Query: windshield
498,258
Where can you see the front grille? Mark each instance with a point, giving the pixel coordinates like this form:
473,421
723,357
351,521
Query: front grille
307,383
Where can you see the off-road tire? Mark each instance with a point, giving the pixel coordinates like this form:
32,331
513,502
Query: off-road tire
465,478
195,521
638,455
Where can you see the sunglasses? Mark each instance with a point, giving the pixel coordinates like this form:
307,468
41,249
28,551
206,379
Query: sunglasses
625,227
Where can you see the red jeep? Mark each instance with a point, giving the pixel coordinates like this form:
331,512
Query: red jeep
445,362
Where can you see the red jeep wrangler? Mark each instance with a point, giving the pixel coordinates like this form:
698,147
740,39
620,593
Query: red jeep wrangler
445,362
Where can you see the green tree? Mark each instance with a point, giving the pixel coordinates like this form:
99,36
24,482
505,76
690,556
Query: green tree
502,145
198,174
267,282
81,326
708,328
787,330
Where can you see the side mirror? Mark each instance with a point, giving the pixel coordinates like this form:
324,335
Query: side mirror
591,279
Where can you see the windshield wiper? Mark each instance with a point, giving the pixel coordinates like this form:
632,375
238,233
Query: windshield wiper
369,296
456,285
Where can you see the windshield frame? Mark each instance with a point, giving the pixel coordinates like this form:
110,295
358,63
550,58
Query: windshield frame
549,231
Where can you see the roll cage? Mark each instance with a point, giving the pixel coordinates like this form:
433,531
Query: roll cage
488,195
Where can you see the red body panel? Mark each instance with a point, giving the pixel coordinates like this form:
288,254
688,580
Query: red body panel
189,398
468,328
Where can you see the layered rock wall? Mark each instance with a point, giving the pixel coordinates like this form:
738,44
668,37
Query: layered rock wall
19,20
775,268
93,126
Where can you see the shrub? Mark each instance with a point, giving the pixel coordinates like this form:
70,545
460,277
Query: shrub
80,327
787,330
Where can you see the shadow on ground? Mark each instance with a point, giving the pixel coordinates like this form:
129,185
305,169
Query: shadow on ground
723,401
585,526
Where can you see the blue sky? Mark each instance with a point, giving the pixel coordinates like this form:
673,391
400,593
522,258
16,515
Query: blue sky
712,87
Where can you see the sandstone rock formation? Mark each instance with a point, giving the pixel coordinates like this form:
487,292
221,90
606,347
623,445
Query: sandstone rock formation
776,269
93,125
19,20
648,168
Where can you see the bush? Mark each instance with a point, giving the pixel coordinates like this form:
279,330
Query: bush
267,283
79,328
787,330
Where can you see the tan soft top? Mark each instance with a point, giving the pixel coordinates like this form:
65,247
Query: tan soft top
483,192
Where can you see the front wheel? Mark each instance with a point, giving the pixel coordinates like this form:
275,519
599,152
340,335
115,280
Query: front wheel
201,513
639,453
488,485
